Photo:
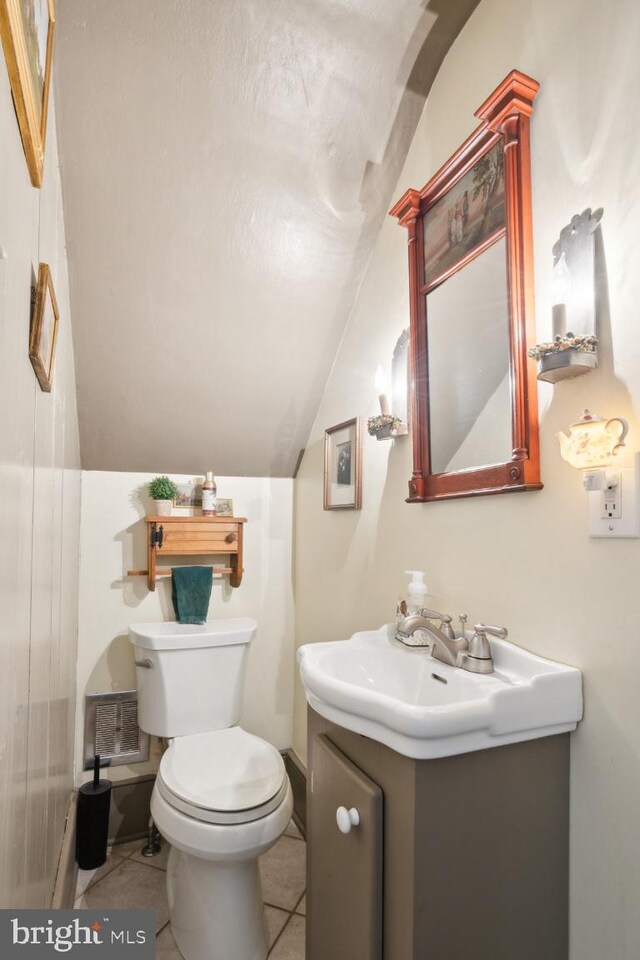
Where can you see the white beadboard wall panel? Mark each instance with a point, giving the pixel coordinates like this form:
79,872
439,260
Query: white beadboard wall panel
39,520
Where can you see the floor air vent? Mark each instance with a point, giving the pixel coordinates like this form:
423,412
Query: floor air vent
111,729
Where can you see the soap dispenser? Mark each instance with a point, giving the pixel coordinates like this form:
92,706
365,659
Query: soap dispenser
416,591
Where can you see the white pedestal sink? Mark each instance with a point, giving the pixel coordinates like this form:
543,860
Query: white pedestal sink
423,708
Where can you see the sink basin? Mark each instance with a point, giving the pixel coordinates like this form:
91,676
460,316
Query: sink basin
423,708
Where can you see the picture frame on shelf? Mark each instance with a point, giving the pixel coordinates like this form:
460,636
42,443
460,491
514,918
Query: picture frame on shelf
224,507
43,334
343,466
26,30
189,495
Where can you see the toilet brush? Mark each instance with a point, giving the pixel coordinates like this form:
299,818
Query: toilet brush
92,825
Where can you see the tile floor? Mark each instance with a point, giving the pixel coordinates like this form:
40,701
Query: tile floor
129,879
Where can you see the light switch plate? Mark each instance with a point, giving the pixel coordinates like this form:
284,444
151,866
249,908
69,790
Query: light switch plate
616,514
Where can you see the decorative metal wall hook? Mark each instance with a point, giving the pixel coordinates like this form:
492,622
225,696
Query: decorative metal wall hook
156,535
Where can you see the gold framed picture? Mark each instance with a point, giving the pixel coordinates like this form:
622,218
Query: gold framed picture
26,28
343,466
44,329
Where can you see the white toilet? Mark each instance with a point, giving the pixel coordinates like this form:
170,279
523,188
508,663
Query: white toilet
222,796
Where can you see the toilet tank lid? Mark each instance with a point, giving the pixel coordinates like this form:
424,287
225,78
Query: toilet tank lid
182,636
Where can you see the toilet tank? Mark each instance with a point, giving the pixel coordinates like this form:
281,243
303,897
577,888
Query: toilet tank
193,674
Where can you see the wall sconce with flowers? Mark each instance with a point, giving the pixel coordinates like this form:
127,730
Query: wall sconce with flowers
614,495
570,354
385,425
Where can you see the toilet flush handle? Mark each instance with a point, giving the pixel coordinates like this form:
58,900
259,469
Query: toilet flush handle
144,663
347,819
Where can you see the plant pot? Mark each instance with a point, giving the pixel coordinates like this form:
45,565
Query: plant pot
163,508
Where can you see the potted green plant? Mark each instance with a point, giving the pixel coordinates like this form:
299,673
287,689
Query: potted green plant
162,491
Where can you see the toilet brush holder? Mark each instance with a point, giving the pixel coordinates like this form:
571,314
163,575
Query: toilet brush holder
92,826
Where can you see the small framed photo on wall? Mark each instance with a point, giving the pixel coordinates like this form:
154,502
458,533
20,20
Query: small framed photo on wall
343,466
44,329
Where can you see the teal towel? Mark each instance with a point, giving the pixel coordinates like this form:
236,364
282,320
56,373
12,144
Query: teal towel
190,592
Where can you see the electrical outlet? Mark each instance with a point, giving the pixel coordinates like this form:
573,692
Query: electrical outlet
612,498
615,510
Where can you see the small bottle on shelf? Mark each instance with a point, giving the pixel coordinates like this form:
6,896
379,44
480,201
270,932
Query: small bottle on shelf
209,496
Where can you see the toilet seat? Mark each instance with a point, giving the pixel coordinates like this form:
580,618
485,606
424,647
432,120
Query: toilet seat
222,777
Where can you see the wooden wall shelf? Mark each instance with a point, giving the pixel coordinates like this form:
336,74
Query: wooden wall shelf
193,537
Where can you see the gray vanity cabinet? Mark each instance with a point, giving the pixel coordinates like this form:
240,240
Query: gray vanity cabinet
473,849
345,895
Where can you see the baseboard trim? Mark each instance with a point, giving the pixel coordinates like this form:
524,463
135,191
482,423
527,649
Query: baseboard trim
64,889
297,773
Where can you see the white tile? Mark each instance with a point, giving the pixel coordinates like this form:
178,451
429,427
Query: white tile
132,884
290,946
275,920
283,872
87,878
166,948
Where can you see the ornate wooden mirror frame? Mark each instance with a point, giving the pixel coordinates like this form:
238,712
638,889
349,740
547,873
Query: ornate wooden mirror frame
504,118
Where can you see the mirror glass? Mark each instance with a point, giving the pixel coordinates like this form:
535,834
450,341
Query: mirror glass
469,371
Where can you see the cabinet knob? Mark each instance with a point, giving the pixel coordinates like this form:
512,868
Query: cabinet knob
347,819
231,537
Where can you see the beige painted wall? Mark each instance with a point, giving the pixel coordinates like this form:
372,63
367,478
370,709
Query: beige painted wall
113,541
39,528
525,561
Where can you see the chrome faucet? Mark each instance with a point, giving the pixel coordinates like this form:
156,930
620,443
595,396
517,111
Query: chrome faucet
473,655
418,621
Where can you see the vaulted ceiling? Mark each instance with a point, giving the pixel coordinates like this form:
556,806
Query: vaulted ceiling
226,167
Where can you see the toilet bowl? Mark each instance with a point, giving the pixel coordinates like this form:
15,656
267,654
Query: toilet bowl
222,797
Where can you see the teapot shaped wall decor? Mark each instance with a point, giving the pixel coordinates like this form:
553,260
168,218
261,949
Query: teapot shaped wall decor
592,441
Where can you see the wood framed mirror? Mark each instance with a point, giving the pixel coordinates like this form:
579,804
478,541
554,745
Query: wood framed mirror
474,407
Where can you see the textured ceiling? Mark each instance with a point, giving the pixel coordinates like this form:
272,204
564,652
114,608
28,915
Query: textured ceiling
226,167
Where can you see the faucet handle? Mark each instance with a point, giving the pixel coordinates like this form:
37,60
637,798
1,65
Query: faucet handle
445,621
479,645
500,632
433,614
